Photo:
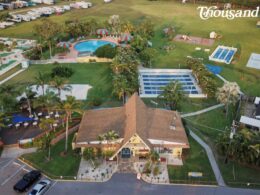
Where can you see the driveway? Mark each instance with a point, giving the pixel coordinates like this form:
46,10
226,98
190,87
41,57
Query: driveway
127,184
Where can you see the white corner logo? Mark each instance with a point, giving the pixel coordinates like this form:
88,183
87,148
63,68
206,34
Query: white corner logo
214,12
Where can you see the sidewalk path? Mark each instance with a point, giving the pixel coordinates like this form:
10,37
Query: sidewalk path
211,157
202,111
11,76
14,152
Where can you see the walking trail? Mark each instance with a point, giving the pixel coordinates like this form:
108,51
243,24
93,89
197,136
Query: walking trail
211,157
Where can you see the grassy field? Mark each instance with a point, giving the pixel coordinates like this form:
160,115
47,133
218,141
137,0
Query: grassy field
53,168
208,126
185,18
98,75
195,161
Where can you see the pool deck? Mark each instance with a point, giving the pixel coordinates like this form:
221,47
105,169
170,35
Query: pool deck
73,54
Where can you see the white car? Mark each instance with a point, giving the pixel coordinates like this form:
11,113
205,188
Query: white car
41,187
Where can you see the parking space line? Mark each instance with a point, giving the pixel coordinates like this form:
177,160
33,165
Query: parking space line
9,178
51,187
15,163
25,169
6,165
4,161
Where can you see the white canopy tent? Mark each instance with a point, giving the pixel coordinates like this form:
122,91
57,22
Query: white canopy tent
250,121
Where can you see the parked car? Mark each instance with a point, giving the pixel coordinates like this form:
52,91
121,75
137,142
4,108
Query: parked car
27,180
41,187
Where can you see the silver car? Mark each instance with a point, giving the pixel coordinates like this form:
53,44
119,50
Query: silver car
41,187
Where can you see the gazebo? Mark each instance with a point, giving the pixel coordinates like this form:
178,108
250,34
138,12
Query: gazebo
102,32
125,37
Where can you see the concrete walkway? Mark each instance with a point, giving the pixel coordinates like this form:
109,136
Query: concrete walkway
11,76
14,152
211,157
202,111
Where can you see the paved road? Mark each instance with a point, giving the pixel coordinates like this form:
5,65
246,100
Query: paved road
127,184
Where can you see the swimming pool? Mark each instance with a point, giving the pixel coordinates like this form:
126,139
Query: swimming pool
91,45
152,81
223,54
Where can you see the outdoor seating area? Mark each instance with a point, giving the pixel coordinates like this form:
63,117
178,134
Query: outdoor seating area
23,126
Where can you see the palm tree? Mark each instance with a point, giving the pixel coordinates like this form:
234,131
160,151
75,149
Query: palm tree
60,84
172,94
69,105
229,93
121,87
8,96
154,156
29,96
41,80
46,125
2,120
49,100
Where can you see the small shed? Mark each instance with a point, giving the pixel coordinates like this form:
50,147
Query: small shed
25,64
213,35
102,32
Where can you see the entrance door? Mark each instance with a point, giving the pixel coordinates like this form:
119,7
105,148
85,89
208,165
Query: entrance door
125,153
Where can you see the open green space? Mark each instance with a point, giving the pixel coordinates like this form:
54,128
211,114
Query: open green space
98,75
195,160
208,126
238,33
66,166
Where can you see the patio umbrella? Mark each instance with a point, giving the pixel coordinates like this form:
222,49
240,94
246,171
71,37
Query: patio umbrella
64,44
125,37
102,32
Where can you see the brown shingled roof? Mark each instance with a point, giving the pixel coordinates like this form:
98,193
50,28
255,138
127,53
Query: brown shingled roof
133,117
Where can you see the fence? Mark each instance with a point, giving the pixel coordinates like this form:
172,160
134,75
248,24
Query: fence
63,134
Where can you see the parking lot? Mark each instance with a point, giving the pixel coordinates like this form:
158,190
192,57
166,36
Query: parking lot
11,171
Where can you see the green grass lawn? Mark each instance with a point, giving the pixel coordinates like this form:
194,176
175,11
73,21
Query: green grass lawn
58,165
98,75
185,18
206,126
10,72
196,160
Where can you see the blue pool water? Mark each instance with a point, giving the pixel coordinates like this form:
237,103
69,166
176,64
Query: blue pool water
153,83
91,45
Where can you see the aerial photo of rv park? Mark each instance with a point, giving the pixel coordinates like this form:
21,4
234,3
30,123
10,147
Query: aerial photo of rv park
119,97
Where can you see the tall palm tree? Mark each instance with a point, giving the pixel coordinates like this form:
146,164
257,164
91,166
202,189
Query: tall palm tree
70,105
49,100
29,96
121,87
41,80
228,94
60,84
46,125
172,94
2,120
8,96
